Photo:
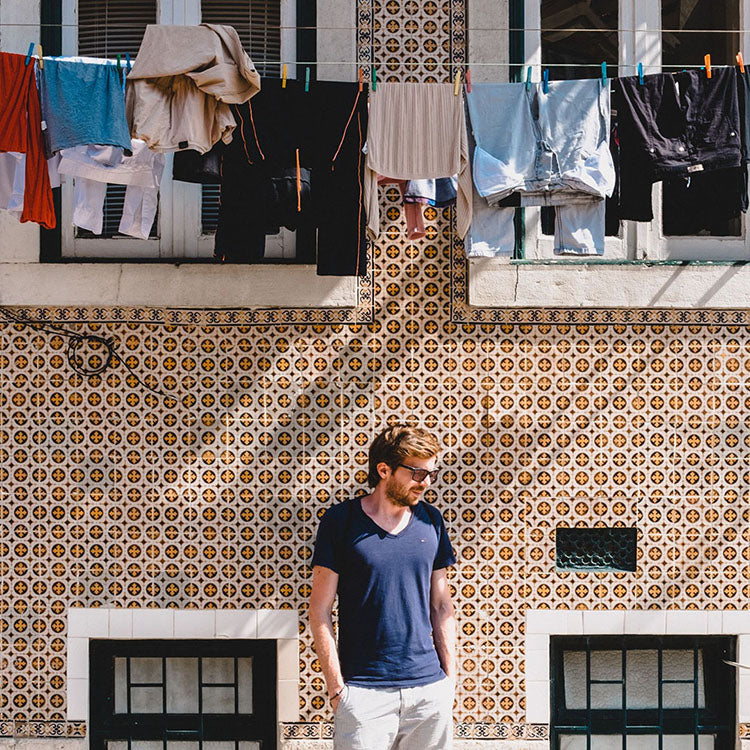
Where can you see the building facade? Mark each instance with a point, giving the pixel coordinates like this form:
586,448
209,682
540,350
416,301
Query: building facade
162,481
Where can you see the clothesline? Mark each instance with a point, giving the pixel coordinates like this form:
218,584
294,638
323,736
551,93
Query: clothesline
129,25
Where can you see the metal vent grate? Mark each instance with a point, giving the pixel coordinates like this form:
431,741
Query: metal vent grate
601,548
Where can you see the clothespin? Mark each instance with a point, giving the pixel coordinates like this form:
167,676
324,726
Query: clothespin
545,81
467,77
740,62
30,53
528,79
457,83
640,73
360,77
374,79
40,54
128,66
307,79
283,76
119,63
604,74
707,60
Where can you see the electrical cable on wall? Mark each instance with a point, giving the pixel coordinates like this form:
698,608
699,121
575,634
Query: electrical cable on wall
75,359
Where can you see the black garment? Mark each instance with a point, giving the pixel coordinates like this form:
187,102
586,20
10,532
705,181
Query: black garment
674,125
192,166
327,126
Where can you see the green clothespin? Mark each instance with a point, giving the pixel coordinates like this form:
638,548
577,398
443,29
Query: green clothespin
528,78
307,79
374,79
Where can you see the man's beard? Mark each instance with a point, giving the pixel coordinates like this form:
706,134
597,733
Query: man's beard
399,495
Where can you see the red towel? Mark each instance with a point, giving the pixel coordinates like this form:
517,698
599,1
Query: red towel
21,131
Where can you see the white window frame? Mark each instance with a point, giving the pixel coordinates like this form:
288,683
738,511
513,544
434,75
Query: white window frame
640,24
179,231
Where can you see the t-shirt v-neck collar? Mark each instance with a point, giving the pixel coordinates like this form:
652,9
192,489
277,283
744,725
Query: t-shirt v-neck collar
380,528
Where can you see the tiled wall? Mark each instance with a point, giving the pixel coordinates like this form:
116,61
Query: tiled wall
114,497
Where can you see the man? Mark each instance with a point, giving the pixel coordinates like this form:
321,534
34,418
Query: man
391,680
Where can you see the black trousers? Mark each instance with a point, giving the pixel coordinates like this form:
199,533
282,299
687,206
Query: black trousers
676,125
325,129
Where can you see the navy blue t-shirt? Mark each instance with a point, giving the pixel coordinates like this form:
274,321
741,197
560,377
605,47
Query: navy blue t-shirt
385,635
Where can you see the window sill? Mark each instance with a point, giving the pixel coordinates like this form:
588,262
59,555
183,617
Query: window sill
594,283
173,285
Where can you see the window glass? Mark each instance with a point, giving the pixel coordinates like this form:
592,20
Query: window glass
576,39
690,30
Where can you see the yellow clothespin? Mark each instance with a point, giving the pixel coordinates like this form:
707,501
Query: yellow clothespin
707,60
41,56
457,83
740,62
283,77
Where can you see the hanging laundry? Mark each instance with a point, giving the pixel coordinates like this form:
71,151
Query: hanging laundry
93,167
417,131
412,211
542,148
12,181
82,103
674,125
322,132
182,83
21,132
438,192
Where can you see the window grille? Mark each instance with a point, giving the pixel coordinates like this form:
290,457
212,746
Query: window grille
642,693
161,694
596,548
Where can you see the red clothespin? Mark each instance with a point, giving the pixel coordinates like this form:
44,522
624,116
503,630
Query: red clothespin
468,81
740,62
361,79
707,60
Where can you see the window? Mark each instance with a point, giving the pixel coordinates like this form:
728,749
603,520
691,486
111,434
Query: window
642,693
182,695
572,40
188,213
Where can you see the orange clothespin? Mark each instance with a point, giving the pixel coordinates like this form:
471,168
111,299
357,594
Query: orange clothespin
361,79
740,62
283,77
457,83
299,185
707,60
468,81
41,56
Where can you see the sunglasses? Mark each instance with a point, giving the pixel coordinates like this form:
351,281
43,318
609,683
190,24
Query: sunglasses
419,475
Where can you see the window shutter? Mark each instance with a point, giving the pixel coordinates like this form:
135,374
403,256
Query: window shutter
258,23
107,28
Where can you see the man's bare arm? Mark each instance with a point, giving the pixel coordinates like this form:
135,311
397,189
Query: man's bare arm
324,586
443,619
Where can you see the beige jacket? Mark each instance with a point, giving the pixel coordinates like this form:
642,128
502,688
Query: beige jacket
182,83
417,131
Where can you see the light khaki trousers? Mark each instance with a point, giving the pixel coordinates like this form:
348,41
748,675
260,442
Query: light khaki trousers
414,718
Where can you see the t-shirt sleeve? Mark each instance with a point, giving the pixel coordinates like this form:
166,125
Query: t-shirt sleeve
326,552
444,555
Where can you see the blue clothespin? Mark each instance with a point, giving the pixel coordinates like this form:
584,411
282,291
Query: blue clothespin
30,53
528,78
128,66
604,74
640,73
307,79
545,81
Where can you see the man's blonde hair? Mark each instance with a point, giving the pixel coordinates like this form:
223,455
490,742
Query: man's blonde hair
397,442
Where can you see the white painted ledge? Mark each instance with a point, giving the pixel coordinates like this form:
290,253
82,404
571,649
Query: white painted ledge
172,285
281,625
543,623
496,282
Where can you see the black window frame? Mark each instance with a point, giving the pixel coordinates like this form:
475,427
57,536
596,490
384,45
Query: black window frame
105,725
719,716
